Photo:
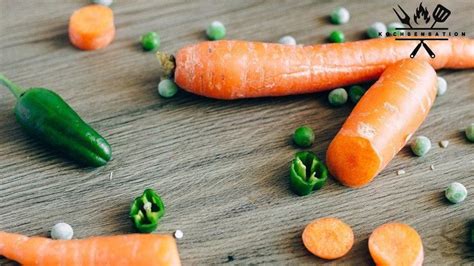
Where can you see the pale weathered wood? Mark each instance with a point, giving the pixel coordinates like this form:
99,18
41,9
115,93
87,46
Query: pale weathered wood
221,167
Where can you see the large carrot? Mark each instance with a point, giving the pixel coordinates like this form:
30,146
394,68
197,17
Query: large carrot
328,238
92,27
134,249
240,69
396,244
382,122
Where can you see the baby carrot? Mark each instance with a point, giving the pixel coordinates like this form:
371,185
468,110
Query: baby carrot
239,69
92,27
396,244
382,122
134,249
328,238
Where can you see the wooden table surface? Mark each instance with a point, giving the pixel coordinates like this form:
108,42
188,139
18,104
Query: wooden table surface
220,166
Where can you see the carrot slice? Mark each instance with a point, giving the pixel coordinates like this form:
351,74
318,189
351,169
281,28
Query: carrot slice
382,122
396,244
92,27
133,249
328,238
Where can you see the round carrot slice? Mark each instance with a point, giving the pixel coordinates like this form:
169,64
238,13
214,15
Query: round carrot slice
396,244
92,27
328,238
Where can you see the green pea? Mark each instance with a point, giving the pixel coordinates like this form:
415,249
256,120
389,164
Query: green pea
216,31
356,92
392,28
340,15
337,97
456,192
470,132
303,136
167,88
337,36
441,86
374,29
150,41
421,145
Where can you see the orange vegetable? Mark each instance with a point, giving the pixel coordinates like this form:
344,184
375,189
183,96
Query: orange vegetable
328,238
239,69
134,249
92,27
396,244
382,122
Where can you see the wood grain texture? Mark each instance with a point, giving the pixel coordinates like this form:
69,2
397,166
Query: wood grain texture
221,167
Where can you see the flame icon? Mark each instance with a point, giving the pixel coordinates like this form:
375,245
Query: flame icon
421,12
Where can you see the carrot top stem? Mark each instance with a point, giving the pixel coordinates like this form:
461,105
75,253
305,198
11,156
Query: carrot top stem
14,89
168,63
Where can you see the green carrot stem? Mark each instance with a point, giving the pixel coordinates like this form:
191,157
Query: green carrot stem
14,89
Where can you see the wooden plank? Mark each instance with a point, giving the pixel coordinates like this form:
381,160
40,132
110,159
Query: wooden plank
221,167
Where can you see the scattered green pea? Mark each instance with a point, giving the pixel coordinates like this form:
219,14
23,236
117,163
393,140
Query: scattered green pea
374,29
470,132
337,97
337,36
303,136
340,15
442,86
150,41
392,28
289,40
216,31
356,92
167,88
421,145
455,192
103,2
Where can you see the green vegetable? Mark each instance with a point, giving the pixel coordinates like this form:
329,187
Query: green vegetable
421,145
288,40
337,97
472,233
455,192
103,2
442,86
470,132
355,93
374,29
303,136
216,31
307,173
146,211
150,41
340,15
337,36
167,88
392,28
45,115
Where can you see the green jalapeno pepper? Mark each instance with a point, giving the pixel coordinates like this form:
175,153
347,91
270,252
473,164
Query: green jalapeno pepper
307,173
146,211
46,116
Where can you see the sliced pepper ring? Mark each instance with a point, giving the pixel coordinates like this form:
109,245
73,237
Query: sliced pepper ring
146,211
307,173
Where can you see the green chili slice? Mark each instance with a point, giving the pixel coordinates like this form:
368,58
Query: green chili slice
146,211
307,173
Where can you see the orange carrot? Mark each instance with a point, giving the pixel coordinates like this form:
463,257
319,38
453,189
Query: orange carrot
328,238
134,249
396,244
239,69
382,122
92,27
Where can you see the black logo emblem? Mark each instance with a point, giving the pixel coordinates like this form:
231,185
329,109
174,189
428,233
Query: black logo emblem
426,26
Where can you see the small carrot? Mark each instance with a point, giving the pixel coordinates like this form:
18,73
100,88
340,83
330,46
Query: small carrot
382,122
134,249
396,244
239,69
92,27
328,238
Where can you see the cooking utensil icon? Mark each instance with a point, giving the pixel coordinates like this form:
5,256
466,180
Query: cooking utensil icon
405,19
440,14
428,50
